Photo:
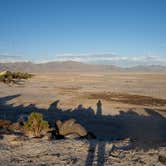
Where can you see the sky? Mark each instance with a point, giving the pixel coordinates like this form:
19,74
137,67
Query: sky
120,32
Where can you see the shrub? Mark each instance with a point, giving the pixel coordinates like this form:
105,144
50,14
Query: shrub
19,75
36,125
8,76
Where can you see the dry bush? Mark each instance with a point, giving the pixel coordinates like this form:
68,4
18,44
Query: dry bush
35,125
19,75
8,76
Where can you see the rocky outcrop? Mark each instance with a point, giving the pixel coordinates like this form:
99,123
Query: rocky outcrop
15,127
70,129
7,126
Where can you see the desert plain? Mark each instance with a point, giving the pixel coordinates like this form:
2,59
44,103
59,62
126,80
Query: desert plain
113,106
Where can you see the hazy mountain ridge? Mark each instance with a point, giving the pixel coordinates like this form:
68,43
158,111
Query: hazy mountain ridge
67,66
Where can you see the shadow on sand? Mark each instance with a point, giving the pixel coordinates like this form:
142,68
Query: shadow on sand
106,127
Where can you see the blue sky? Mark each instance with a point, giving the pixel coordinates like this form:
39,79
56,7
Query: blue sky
121,32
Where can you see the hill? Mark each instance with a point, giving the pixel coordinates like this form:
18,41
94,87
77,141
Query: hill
72,66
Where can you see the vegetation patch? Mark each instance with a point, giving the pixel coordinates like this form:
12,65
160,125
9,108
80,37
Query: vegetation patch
8,76
128,98
35,125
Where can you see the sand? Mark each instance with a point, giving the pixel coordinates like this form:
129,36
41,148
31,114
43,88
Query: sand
133,106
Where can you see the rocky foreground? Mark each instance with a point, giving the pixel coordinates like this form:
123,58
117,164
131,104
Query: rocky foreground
21,151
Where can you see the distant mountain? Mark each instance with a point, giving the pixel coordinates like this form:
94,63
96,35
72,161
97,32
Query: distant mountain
148,69
72,66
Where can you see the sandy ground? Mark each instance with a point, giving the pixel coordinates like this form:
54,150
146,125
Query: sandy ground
77,152
133,106
72,89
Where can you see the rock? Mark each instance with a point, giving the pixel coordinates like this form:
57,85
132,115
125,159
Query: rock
5,123
10,137
15,127
70,127
22,119
4,126
58,124
47,136
28,134
74,160
72,136
7,126
162,159
53,134
4,131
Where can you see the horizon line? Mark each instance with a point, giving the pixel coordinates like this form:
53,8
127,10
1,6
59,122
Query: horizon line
75,61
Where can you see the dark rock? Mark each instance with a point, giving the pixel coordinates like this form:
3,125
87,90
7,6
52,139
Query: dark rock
5,123
162,159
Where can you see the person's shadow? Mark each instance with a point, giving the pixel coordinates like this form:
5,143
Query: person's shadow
136,127
99,109
96,145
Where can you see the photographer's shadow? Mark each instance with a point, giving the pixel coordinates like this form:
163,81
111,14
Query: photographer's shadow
96,146
127,124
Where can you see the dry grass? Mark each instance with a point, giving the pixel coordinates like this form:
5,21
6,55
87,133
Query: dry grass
128,98
69,88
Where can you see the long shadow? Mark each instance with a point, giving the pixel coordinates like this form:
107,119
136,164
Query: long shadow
99,145
106,127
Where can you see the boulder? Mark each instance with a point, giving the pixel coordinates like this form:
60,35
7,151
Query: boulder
70,128
15,127
162,159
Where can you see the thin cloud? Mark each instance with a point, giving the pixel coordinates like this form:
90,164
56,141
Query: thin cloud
110,58
9,58
83,55
96,58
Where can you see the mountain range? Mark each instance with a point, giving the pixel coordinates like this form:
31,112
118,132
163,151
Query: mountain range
73,66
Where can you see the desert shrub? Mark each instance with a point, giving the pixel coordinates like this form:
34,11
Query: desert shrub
36,125
19,75
8,76
2,78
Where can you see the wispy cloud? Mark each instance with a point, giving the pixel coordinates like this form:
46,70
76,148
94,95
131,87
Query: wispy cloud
4,57
85,56
96,58
112,58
